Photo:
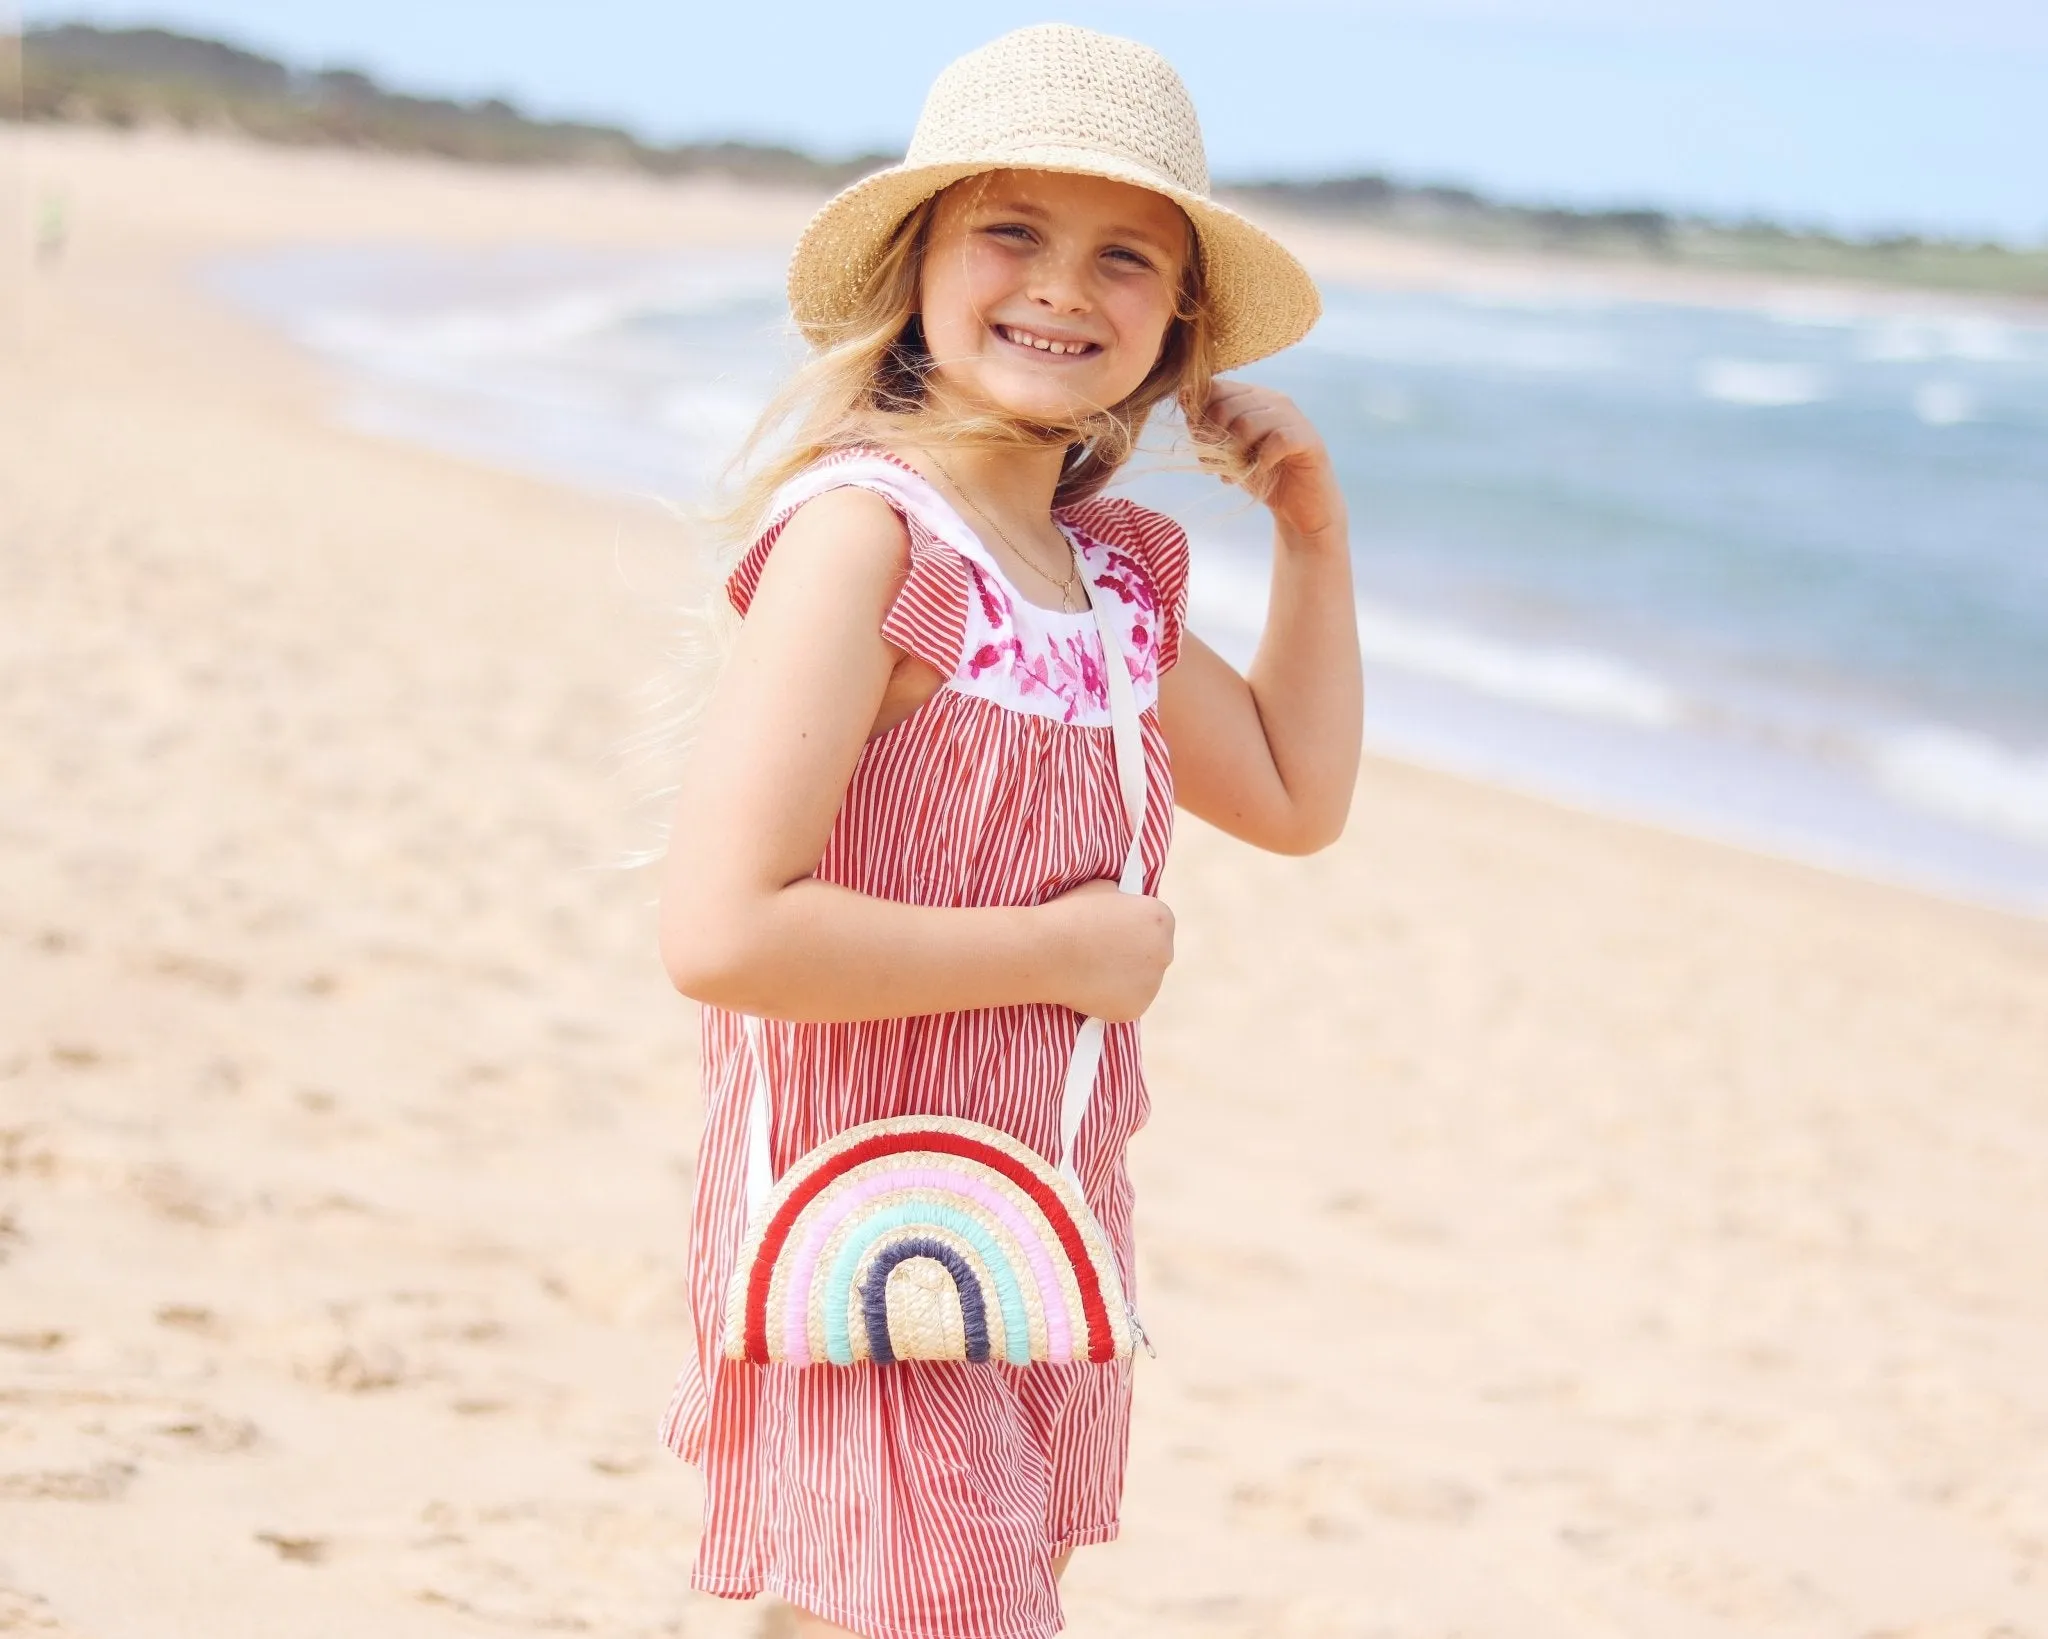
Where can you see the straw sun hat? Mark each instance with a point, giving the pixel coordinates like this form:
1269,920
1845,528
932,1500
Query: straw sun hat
1058,98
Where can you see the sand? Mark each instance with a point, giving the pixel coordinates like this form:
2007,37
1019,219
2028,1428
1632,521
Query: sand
1550,1226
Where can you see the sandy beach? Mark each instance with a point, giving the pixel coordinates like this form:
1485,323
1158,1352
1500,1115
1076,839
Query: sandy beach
1550,1226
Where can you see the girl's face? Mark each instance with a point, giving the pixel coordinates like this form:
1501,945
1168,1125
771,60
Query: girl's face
1047,295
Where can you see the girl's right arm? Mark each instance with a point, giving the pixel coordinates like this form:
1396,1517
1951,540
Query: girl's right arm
745,924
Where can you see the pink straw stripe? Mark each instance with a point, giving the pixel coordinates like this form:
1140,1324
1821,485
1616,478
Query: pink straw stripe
796,1340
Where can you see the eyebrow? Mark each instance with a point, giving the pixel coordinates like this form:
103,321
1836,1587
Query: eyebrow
1023,207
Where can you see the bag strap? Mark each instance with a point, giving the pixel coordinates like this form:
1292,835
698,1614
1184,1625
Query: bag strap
1129,746
1078,1091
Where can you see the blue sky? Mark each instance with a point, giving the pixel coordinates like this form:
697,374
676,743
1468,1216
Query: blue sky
1867,116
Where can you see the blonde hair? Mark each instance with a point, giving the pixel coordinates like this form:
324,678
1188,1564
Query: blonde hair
872,382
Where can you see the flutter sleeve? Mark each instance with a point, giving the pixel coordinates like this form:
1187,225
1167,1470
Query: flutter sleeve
928,615
1160,548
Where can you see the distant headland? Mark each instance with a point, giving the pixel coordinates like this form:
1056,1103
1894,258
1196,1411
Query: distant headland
149,76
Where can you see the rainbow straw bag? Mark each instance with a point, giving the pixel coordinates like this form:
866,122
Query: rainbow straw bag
933,1238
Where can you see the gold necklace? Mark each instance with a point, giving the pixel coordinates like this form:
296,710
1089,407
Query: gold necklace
1066,587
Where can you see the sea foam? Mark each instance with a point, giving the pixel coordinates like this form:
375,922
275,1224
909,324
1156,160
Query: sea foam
1761,383
1228,595
1967,777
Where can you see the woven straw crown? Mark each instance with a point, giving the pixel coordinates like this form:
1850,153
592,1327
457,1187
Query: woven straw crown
1058,98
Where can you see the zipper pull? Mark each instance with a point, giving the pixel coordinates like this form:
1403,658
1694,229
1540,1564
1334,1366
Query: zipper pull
1138,1326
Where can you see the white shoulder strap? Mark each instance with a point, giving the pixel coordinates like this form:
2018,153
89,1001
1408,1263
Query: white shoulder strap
1128,744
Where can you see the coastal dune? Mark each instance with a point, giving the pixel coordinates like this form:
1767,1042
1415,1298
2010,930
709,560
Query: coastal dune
1548,1225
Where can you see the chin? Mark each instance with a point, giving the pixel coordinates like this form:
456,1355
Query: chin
1038,401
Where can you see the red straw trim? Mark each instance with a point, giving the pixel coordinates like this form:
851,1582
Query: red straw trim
1101,1345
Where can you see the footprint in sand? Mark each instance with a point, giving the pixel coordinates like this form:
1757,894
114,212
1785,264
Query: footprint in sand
66,1445
299,1550
617,1291
25,1154
190,1317
211,1432
549,1564
360,1368
101,1482
203,972
22,1612
172,1192
1335,1497
395,1340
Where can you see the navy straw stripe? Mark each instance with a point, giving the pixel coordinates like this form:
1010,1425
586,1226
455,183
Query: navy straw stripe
874,1296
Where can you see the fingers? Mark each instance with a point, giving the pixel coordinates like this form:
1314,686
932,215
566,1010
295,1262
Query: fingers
1232,392
1267,427
1266,435
1248,427
1251,414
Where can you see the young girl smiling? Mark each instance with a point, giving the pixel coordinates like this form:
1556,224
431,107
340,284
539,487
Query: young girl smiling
891,879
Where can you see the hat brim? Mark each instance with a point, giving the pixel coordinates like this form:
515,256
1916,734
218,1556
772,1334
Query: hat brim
1261,299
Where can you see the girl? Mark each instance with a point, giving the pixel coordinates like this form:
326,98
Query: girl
902,820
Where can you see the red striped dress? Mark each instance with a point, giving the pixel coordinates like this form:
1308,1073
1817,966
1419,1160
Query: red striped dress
926,1500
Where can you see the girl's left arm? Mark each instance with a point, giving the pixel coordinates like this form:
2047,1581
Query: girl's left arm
1272,756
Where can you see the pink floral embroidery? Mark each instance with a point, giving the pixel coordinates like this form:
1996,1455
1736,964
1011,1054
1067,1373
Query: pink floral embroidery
995,608
1053,665
1015,653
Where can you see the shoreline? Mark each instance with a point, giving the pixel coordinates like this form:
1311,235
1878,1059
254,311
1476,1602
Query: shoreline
1650,1220
1398,262
619,209
745,217
1839,817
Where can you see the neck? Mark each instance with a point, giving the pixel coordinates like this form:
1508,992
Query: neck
1016,485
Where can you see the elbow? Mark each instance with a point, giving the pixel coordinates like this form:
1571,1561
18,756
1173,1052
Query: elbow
1310,833
698,967
694,973
1300,844
703,950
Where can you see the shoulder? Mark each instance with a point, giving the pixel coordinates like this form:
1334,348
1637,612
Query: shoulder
845,535
1143,545
857,523
1118,520
849,529
1158,543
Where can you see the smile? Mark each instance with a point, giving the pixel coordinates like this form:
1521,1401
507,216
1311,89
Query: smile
1018,337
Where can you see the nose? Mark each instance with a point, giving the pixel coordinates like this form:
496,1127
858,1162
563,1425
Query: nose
1059,280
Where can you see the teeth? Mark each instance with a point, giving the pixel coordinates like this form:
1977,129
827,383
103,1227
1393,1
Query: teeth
1026,339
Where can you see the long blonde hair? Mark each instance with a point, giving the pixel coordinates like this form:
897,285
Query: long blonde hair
872,383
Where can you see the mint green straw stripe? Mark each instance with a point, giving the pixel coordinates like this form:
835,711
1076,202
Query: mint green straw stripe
920,1214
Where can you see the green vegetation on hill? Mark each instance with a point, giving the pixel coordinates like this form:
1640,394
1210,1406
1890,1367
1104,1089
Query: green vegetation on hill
1665,238
135,77
149,76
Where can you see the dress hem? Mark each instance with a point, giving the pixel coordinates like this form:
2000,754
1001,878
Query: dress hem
742,1587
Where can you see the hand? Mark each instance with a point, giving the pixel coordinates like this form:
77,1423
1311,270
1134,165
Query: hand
1291,468
1111,949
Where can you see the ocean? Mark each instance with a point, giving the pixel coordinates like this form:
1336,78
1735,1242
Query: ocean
1773,575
